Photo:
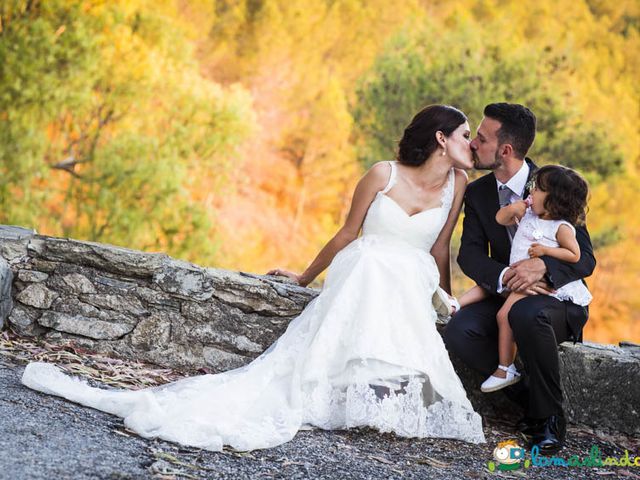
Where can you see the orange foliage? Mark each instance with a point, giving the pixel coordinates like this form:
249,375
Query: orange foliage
290,190
286,191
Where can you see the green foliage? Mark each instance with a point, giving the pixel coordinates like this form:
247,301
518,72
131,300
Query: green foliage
44,68
108,108
430,66
606,237
112,127
586,148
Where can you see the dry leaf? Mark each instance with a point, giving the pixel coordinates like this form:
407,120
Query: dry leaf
381,459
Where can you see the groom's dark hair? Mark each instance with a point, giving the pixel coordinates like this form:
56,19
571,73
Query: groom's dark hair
517,125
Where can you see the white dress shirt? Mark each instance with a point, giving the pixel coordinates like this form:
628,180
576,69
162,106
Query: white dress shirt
516,184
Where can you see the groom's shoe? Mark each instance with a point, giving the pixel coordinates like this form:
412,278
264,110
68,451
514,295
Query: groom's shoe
550,436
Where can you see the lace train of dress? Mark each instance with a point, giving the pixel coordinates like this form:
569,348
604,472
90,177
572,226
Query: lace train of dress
365,352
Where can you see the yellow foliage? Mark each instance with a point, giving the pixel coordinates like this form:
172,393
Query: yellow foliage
302,61
290,67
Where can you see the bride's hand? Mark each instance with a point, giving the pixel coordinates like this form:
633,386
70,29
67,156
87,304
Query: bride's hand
286,273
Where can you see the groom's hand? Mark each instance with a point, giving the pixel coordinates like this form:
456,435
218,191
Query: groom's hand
523,275
539,288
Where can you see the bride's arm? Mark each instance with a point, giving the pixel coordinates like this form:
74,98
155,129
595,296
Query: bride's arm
441,249
369,185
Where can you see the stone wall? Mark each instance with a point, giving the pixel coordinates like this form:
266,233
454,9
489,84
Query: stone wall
150,307
145,306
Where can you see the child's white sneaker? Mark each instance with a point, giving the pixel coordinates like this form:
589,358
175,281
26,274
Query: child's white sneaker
493,384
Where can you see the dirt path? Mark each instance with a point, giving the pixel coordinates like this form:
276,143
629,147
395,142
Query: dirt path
44,437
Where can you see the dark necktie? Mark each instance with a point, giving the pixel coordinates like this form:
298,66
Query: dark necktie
504,195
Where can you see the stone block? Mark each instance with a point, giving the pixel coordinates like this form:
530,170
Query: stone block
37,295
32,276
86,327
24,321
6,300
78,283
123,261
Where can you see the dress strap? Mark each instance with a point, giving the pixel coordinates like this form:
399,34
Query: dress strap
392,177
447,192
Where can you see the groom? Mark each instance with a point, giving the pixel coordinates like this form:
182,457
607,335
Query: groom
539,322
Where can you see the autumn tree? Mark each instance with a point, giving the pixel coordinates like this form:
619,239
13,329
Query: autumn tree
106,122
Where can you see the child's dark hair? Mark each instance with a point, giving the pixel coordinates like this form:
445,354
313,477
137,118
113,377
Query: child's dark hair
567,193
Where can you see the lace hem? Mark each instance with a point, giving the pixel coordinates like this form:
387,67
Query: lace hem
405,412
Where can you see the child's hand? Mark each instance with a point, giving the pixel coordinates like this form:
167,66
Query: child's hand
537,250
519,208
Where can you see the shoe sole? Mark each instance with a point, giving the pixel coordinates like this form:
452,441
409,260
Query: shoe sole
551,451
500,387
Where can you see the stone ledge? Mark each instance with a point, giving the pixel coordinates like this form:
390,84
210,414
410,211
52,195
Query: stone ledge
139,305
150,307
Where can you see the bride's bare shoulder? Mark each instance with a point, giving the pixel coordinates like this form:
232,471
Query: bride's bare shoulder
378,175
380,169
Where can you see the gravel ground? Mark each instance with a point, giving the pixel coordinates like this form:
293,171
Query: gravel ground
45,437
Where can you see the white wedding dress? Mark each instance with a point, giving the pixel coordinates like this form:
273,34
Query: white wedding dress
365,352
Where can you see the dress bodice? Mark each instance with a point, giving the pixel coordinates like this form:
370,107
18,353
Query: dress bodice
533,229
385,218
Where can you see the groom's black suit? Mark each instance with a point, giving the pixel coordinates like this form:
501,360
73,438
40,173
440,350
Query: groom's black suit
539,322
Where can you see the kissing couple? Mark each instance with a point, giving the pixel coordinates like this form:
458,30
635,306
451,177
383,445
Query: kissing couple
366,351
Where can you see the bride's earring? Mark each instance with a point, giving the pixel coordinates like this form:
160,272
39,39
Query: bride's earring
444,152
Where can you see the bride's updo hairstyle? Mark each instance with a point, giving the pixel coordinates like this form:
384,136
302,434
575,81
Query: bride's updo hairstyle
419,139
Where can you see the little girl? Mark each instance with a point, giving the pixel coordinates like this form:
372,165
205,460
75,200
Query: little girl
546,222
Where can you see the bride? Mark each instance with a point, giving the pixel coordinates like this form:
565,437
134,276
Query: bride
365,352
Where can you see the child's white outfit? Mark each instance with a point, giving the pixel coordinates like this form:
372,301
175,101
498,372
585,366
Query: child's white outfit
533,229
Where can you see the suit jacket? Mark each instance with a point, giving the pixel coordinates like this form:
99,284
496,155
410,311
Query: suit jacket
485,247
